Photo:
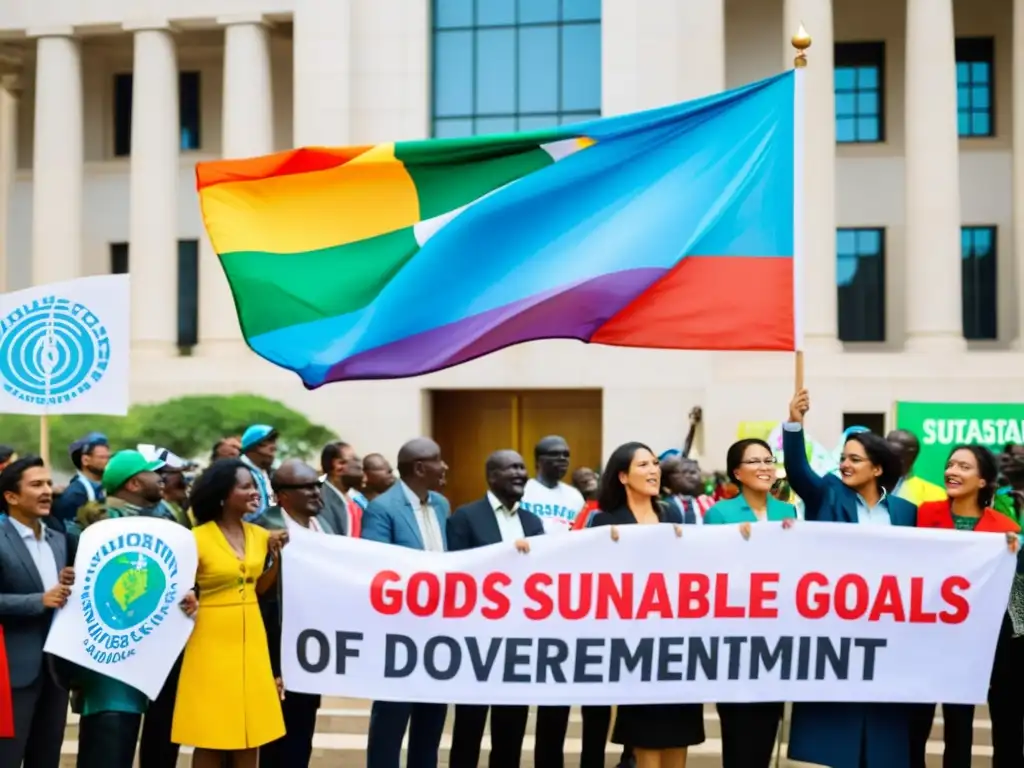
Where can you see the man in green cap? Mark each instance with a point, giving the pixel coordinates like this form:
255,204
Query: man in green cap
111,712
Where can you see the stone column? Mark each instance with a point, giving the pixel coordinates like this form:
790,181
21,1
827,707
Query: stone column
322,70
10,94
153,214
1017,83
248,131
820,295
700,29
932,246
57,157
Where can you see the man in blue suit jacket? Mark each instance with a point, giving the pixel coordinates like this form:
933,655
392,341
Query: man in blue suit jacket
854,735
498,517
412,513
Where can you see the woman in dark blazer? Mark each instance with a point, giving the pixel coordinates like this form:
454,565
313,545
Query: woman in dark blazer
854,735
659,733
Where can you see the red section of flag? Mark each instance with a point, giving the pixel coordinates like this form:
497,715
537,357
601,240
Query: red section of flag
6,706
711,302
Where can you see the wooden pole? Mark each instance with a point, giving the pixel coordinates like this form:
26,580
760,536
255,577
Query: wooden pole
798,372
44,439
801,41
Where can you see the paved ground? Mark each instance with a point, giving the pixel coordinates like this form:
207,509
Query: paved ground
340,740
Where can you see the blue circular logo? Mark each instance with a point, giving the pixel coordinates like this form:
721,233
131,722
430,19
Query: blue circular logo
52,350
129,589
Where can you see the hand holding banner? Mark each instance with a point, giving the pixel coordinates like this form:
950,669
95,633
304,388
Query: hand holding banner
122,619
820,612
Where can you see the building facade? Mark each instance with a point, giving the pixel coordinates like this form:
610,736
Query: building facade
915,147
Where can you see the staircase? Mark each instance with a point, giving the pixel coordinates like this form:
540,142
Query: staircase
342,724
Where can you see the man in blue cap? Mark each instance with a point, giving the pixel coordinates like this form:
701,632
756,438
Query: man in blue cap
259,448
90,455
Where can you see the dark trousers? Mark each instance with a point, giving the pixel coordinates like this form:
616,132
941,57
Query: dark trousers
295,748
388,721
156,750
597,723
1005,702
40,713
957,734
549,741
748,733
107,740
508,727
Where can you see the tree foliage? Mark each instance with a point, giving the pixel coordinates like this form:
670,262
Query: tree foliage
189,426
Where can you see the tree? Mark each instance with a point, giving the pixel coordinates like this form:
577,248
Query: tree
189,426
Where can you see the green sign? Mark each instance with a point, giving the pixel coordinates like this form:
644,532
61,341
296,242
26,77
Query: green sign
940,426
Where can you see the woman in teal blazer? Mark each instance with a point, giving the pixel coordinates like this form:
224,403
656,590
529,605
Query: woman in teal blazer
749,730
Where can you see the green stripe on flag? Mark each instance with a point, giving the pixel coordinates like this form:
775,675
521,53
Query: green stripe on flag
274,290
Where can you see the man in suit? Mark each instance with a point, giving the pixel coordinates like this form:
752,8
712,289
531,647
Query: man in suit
495,518
412,513
299,503
35,580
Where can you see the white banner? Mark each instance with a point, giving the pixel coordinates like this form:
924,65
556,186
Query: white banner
64,347
820,612
123,619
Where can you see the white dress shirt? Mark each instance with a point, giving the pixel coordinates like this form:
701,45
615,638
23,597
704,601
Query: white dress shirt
292,522
426,520
40,552
509,524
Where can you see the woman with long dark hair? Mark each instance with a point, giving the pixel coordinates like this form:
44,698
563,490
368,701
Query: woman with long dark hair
848,735
972,477
659,733
749,731
228,702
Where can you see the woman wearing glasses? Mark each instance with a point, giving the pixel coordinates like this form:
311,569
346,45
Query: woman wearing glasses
749,730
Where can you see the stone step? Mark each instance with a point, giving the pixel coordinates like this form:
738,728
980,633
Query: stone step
349,751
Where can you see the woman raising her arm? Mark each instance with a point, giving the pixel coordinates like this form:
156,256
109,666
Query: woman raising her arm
228,703
848,735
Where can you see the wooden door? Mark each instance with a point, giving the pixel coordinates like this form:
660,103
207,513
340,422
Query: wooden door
470,424
575,414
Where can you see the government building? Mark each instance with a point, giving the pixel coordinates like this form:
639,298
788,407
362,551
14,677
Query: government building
914,150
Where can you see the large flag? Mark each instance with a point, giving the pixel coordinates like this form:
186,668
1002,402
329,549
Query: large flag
671,228
64,347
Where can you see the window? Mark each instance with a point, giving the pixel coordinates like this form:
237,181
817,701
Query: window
188,112
860,275
515,65
978,281
188,286
860,95
974,88
188,293
873,421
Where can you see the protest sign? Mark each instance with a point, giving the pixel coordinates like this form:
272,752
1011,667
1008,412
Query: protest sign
122,619
820,612
940,426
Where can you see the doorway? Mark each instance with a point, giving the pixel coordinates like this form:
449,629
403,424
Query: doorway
470,424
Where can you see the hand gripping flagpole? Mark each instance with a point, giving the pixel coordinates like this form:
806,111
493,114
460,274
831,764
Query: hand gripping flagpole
801,41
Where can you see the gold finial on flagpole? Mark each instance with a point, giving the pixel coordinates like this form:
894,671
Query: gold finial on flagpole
801,41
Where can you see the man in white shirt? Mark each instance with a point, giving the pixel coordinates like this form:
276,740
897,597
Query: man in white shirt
498,517
554,502
412,513
35,580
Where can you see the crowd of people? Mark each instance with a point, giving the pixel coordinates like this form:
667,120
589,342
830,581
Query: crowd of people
225,696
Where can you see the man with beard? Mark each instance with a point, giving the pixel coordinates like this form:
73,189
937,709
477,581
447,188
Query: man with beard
411,514
498,517
299,503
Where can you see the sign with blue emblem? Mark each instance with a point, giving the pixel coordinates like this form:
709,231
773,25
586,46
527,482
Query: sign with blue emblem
123,618
64,347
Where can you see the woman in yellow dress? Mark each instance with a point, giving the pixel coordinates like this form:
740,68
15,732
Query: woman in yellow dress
228,701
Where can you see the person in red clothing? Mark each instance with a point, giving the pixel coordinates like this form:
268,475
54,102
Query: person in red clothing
6,703
971,481
584,479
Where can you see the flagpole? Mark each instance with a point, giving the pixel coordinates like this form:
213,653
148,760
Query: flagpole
44,439
801,41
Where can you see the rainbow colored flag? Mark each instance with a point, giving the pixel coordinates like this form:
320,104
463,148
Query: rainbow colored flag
671,228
